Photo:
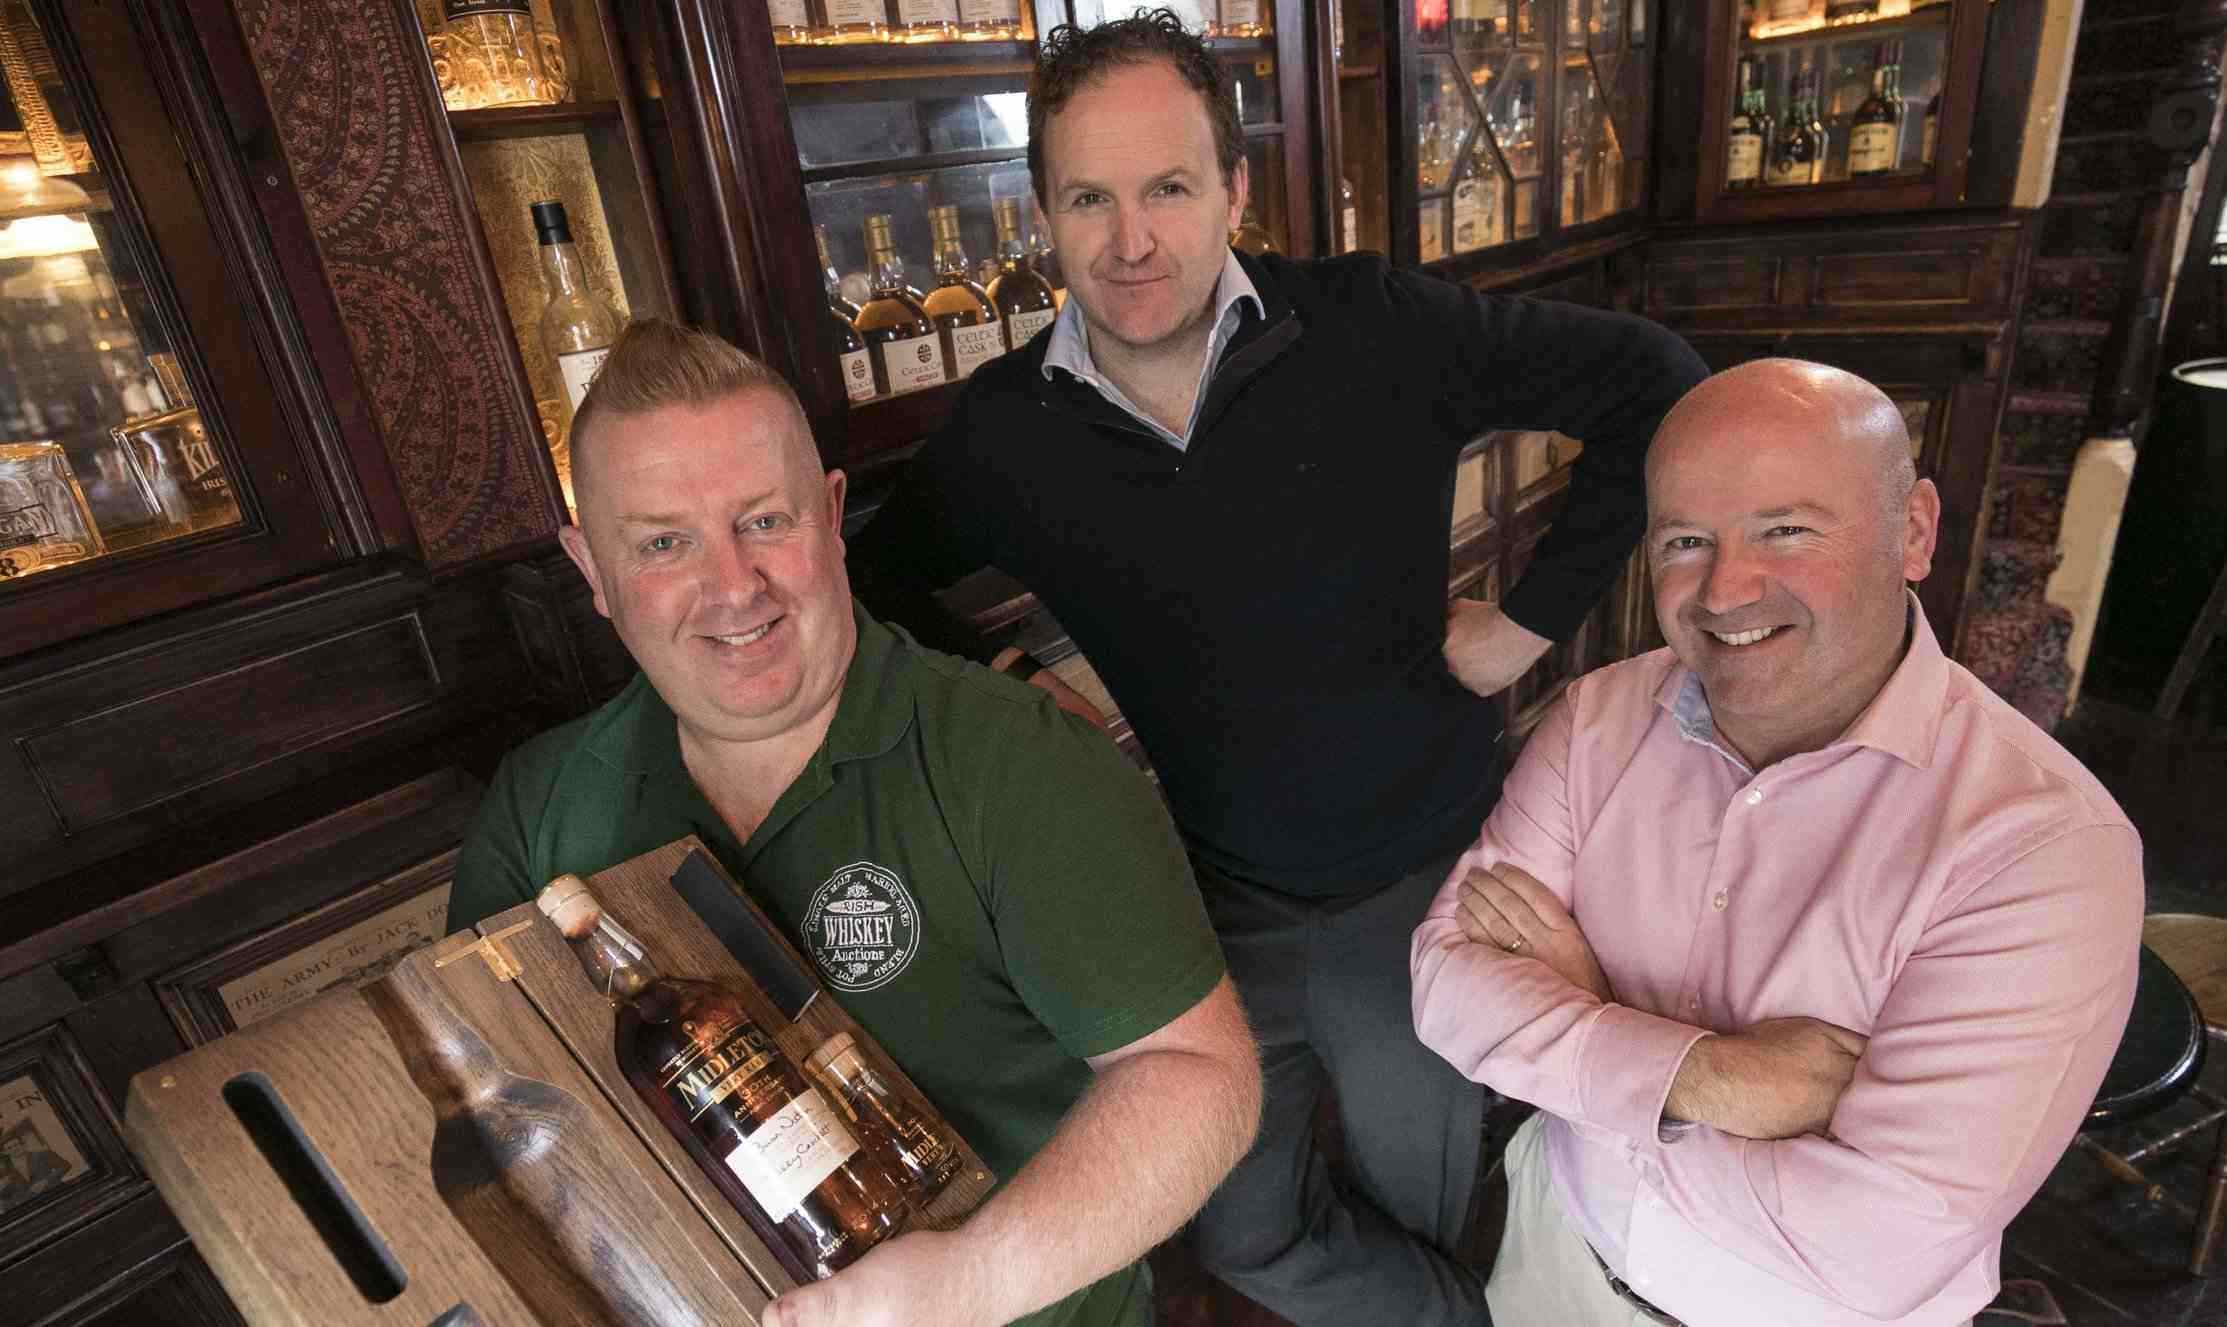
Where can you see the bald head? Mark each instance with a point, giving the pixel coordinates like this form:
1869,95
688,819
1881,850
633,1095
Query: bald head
1796,400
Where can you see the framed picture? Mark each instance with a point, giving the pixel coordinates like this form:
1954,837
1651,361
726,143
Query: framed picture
62,1155
342,945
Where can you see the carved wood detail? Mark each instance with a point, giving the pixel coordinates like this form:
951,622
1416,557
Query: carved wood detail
356,116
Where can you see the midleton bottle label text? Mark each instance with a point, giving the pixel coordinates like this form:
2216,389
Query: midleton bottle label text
789,1146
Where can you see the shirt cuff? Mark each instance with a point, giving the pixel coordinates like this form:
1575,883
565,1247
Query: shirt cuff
1624,1075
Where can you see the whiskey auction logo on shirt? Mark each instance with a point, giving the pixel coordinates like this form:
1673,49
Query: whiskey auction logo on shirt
862,927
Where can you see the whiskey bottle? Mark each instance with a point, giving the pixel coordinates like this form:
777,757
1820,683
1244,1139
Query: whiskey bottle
906,351
1750,133
927,20
1478,206
1821,138
1797,158
851,359
858,20
1430,225
792,21
1349,218
576,326
44,520
1930,137
989,20
928,1157
1251,237
1240,18
1022,298
831,279
765,1137
499,52
1875,130
960,309
1043,260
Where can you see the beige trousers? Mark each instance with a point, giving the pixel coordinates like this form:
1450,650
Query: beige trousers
1545,1274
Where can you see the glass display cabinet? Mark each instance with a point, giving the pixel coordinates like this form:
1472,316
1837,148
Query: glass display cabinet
910,131
1473,135
1831,107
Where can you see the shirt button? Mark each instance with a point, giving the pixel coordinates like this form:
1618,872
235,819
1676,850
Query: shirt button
1719,901
1755,797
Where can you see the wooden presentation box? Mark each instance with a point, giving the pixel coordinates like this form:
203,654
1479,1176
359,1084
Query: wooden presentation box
455,1144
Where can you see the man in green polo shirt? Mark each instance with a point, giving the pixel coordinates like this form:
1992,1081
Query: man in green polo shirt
1048,977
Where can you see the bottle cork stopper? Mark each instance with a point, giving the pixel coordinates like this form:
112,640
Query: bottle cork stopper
567,902
834,1047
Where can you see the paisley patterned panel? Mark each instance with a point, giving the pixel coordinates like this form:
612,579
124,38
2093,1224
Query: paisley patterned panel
429,337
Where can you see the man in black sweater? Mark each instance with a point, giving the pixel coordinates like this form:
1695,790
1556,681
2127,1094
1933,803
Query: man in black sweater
1231,479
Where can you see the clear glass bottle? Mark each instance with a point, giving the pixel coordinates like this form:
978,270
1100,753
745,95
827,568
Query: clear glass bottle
764,1135
990,20
1479,204
926,1155
927,20
1240,18
497,54
1023,298
577,327
960,309
1750,135
1875,130
858,20
1349,218
1798,158
44,520
851,358
792,22
907,354
1043,259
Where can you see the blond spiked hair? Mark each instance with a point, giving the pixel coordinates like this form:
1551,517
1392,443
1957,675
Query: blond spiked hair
656,363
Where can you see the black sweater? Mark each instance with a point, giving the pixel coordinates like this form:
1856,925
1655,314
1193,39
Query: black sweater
1268,608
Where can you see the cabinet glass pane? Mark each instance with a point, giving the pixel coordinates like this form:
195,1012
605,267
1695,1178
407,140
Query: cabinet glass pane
1853,88
1266,215
101,447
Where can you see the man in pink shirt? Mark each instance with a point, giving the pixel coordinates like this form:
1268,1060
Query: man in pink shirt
1811,951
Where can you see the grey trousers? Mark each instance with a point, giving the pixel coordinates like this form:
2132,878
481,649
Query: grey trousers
1325,985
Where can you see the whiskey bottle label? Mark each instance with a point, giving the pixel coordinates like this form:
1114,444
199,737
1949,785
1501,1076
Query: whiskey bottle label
579,369
855,14
1351,224
1024,326
858,376
1240,13
926,13
456,9
971,347
990,11
1785,11
1432,240
1746,159
787,1156
25,525
1871,148
1786,169
1469,216
788,14
913,362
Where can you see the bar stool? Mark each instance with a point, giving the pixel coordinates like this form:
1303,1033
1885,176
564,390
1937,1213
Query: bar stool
2195,948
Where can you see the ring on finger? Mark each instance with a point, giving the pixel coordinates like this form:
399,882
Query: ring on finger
1514,946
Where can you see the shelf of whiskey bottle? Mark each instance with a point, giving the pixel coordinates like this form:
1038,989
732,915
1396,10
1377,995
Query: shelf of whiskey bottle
883,60
1935,19
492,123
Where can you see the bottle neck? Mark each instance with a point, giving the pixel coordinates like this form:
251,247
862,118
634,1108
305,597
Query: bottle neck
951,260
1010,248
889,272
615,961
561,273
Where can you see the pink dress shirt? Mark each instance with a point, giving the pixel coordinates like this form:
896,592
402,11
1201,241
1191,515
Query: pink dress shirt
1944,879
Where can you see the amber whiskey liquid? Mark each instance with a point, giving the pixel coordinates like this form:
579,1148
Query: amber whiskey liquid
961,310
1022,298
772,1143
906,351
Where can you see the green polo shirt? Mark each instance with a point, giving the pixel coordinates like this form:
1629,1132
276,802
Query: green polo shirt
1042,907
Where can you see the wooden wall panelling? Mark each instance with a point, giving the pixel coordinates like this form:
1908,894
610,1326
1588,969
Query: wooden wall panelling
576,658
1952,273
134,1268
63,1162
116,747
359,121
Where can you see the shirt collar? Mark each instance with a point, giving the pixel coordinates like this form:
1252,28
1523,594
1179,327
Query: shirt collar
1069,346
872,714
1903,720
